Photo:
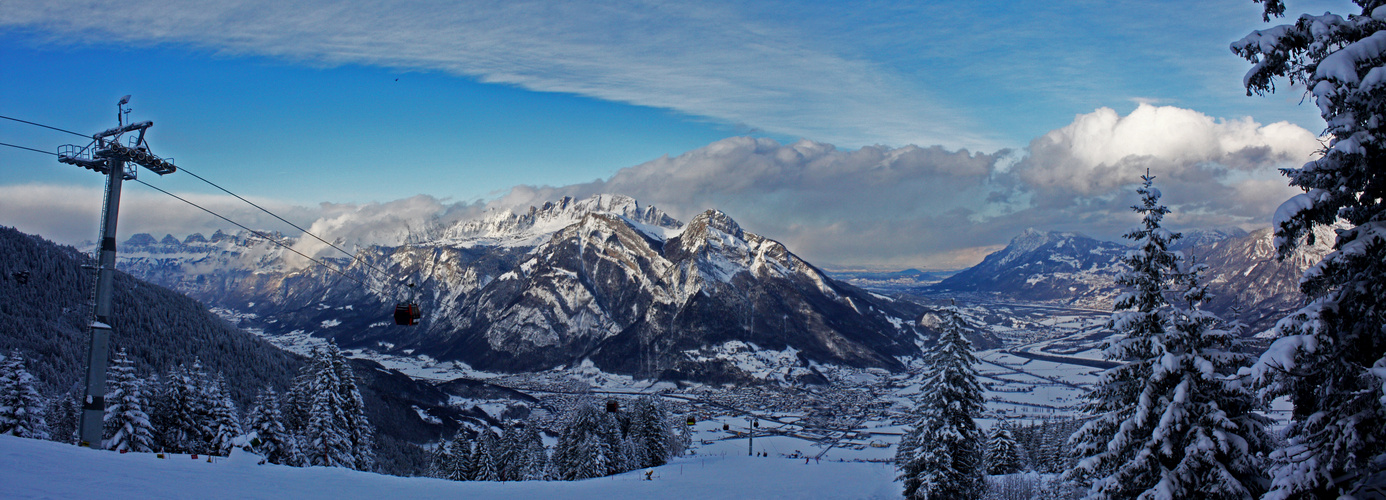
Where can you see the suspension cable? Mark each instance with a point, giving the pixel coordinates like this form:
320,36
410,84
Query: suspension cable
354,257
30,149
46,126
265,236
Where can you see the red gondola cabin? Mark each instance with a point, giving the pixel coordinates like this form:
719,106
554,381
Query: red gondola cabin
407,314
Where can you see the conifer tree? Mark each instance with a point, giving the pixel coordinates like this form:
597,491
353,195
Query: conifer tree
224,423
272,440
64,412
459,466
359,430
941,455
535,456
1330,359
179,413
653,432
337,432
21,405
1172,421
1003,455
127,426
589,445
484,465
326,434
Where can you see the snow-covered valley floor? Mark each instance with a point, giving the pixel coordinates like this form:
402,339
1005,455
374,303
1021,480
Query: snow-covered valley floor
43,469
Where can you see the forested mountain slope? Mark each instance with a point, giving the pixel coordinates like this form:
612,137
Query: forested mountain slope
45,315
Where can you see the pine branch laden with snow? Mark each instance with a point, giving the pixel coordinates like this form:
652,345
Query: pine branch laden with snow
21,405
1330,359
127,426
941,456
1174,420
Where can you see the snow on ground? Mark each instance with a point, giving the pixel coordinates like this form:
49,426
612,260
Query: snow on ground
43,469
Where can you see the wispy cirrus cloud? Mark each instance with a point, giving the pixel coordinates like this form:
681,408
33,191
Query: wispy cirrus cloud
713,60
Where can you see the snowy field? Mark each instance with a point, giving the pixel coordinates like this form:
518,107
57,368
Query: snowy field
43,469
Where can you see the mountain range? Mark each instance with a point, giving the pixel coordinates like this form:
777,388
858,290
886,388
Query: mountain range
1245,276
45,316
603,280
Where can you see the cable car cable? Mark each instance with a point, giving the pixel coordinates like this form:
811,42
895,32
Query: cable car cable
204,209
413,313
354,257
30,149
45,126
265,236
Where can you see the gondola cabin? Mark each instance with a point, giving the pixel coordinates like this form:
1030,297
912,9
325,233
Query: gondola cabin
692,421
612,406
407,314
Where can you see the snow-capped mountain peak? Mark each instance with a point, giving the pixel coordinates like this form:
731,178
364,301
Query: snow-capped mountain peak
531,227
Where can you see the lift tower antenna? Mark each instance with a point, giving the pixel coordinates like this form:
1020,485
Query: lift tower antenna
106,155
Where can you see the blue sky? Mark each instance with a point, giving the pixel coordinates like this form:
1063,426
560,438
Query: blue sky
354,103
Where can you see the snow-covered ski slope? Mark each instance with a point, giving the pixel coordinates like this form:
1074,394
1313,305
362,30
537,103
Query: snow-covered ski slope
43,469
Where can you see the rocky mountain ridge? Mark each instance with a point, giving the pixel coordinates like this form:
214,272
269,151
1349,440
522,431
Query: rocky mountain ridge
1244,274
602,280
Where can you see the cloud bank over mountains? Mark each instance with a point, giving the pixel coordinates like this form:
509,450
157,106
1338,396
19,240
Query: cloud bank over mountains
933,207
872,206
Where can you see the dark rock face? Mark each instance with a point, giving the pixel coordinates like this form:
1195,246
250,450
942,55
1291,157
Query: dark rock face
1244,274
602,280
1248,279
1041,266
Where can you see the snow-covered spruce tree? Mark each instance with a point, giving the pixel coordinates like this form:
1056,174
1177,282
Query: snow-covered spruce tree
336,432
1003,455
653,432
438,460
360,432
589,445
127,426
484,464
179,412
21,405
452,459
63,413
1173,421
326,435
508,449
224,422
1330,358
272,440
941,455
535,456
298,401
459,465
